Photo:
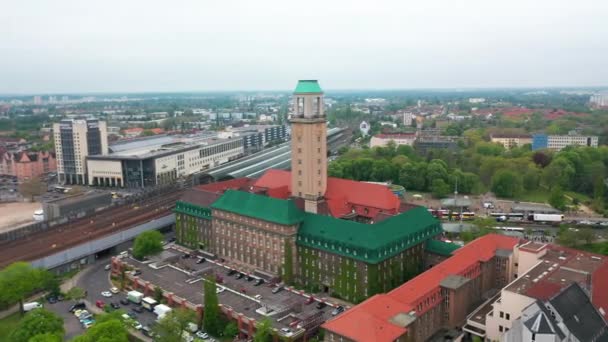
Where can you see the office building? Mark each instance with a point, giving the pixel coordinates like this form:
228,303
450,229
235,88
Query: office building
76,139
558,142
382,140
511,140
160,159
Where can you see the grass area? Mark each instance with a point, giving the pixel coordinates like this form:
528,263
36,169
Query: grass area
580,197
8,324
540,195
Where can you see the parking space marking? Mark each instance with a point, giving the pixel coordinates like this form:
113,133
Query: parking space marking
179,284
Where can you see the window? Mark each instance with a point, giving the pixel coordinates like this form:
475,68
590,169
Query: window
533,337
299,150
299,161
507,317
502,314
500,329
300,105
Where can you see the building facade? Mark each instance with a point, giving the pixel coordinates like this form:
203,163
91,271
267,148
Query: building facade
74,141
382,140
511,140
27,165
558,142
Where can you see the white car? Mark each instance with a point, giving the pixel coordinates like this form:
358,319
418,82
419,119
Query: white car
106,294
220,289
137,325
202,334
114,290
107,267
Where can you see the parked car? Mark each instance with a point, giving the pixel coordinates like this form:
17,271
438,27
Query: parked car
124,301
239,275
338,310
51,299
185,256
258,297
258,282
220,289
138,309
277,289
201,260
77,306
106,294
321,305
107,267
100,304
115,306
132,314
286,331
136,272
231,272
202,334
250,278
137,325
309,300
114,290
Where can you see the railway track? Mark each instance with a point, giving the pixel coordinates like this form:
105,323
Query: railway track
89,228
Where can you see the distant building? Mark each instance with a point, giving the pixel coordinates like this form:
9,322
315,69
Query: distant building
477,100
408,117
429,142
74,141
27,165
160,159
511,140
558,142
599,100
364,128
382,140
133,132
37,100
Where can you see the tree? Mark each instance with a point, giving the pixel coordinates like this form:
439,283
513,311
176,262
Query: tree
557,199
507,183
158,293
170,328
541,159
288,265
440,188
37,322
75,293
32,187
19,280
147,133
148,243
587,235
48,337
567,238
263,331
109,331
231,330
211,318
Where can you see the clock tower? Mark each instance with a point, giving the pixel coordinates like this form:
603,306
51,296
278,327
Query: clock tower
308,144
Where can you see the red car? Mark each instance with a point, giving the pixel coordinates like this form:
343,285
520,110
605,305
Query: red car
100,304
243,290
309,300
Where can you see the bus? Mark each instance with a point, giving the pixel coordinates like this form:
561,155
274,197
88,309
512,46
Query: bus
61,189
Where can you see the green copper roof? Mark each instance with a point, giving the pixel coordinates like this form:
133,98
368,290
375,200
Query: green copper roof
260,207
307,86
441,247
371,243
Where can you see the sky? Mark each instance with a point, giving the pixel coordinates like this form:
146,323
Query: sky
65,46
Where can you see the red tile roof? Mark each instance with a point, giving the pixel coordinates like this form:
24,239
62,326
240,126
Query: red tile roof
342,195
599,295
409,295
232,184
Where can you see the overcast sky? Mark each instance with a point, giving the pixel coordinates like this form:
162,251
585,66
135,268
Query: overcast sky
191,45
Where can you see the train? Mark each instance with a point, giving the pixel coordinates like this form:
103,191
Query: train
538,218
452,215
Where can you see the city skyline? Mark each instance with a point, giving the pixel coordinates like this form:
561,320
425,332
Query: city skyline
70,47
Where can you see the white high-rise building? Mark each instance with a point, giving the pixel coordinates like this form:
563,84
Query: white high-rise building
407,119
74,141
599,100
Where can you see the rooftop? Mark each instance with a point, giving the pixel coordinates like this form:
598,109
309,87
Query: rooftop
307,86
441,247
260,207
376,312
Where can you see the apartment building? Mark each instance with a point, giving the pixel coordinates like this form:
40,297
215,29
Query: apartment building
511,140
75,140
381,140
558,142
27,165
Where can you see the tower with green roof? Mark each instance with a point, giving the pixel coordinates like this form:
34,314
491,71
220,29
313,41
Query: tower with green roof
308,144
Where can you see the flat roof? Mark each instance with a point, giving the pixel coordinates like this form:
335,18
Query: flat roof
160,146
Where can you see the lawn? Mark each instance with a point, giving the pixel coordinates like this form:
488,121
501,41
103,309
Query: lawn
8,324
540,196
598,247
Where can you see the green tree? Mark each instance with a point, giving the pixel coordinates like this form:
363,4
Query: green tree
158,294
37,322
211,319
507,183
75,293
439,188
20,279
567,237
587,235
170,327
288,264
147,133
47,337
231,330
413,176
148,243
263,331
109,331
557,199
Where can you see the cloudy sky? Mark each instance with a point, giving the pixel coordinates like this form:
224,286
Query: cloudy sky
192,45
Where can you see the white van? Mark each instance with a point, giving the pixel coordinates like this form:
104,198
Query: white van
31,306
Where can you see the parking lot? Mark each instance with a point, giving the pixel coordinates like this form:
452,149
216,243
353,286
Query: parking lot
184,278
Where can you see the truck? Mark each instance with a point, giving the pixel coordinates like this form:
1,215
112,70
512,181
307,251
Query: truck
551,218
161,310
148,303
135,296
